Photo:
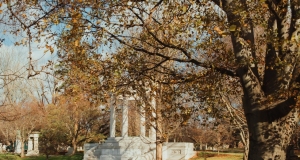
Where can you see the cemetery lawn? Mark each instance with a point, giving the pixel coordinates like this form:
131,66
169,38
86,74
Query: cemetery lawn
78,156
220,156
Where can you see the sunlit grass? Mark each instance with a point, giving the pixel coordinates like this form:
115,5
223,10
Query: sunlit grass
9,156
220,156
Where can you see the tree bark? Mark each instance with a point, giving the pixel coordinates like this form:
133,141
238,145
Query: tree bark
22,149
159,138
159,145
269,103
270,131
246,149
74,145
270,122
75,130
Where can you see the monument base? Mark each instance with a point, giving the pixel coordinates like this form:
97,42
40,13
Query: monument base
178,151
92,151
32,153
136,148
125,148
121,148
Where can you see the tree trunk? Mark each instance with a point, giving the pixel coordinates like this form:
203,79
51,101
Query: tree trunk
159,145
167,138
245,140
246,149
22,149
74,145
158,124
75,131
270,132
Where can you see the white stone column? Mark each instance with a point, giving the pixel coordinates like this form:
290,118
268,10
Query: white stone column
112,120
30,143
18,142
142,121
18,146
125,117
36,142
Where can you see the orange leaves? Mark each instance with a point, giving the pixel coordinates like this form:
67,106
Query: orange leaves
76,16
74,20
219,31
45,20
68,26
76,43
49,48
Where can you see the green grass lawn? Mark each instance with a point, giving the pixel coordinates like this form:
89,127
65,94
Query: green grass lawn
78,156
220,156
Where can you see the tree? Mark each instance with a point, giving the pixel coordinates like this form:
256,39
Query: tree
80,92
268,70
163,104
80,117
21,109
269,84
29,116
238,120
12,70
53,131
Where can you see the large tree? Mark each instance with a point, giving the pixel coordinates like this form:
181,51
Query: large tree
80,92
267,65
162,103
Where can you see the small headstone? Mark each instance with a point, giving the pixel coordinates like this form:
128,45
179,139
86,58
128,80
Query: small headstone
33,144
69,150
3,148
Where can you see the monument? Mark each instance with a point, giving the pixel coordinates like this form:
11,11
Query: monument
134,148
33,144
17,143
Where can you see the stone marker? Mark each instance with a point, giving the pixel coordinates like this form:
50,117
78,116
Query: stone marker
33,144
134,148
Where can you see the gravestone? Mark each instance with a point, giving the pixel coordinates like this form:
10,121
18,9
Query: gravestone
178,151
17,143
69,150
3,148
33,144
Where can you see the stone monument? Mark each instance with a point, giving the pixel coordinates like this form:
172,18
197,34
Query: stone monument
1,146
134,148
17,143
125,147
33,144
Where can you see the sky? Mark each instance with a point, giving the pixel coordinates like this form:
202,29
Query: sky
39,56
10,40
37,52
21,53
